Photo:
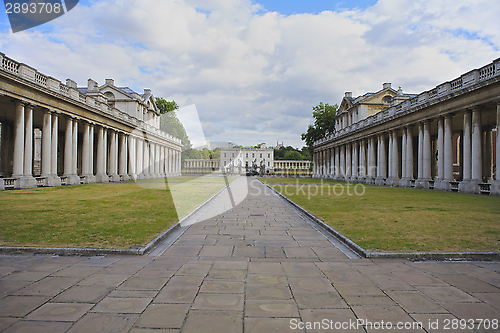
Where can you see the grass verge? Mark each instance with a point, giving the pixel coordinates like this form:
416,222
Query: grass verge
115,215
389,219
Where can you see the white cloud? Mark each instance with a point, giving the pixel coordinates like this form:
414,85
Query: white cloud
260,73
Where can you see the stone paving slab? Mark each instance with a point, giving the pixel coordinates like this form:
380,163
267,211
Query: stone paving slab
254,267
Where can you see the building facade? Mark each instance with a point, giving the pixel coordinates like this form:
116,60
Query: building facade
445,138
239,160
90,134
289,168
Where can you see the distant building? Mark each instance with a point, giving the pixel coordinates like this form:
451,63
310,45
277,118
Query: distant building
238,160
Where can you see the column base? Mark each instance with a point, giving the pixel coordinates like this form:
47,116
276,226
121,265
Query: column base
25,182
469,186
495,188
405,182
52,180
72,179
2,185
422,183
392,182
89,179
114,178
124,177
132,176
101,178
380,181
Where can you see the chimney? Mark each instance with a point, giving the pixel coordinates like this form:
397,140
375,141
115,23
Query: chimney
147,91
111,82
386,85
92,86
348,94
70,83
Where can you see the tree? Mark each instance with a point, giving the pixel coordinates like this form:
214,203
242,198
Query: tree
324,124
293,155
170,123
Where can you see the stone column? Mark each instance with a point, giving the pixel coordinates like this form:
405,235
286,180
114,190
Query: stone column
27,181
91,177
355,157
123,172
395,159
409,153
19,128
336,169
74,160
140,158
448,152
46,143
101,176
466,154
342,162
146,159
132,171
477,158
390,174
495,187
427,155
362,159
68,151
86,151
348,161
420,154
113,157
372,168
382,161
6,150
56,181
440,144
403,158
157,161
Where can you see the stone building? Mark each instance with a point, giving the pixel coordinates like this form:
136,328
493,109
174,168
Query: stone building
90,134
444,138
238,160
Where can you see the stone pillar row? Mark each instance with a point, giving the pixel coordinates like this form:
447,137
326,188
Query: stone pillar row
388,158
126,157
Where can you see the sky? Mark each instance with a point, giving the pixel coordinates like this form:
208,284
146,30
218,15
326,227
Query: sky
254,69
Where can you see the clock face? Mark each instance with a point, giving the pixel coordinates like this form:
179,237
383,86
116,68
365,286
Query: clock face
387,99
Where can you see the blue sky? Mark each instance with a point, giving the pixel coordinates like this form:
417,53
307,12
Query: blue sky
289,7
254,75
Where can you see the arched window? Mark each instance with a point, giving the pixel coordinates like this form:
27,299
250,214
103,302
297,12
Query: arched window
387,99
109,95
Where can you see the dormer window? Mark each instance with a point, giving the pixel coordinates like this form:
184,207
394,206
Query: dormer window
387,99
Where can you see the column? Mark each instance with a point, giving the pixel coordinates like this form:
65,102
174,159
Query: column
86,151
46,143
362,159
342,161
348,160
382,165
403,157
68,148
123,157
19,127
140,158
427,152
53,150
101,176
440,144
6,145
477,159
409,153
132,157
372,168
337,163
91,177
146,159
389,158
354,166
157,160
448,150
74,160
495,187
395,158
28,143
420,169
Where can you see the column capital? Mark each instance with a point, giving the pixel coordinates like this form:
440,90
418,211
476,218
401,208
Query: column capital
476,108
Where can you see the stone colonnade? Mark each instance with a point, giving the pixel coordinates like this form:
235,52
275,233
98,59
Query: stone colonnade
292,168
458,151
76,150
200,166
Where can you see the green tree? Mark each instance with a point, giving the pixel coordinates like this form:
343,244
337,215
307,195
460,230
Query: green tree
324,124
170,123
293,155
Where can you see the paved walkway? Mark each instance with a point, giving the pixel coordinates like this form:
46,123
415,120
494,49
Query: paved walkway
257,267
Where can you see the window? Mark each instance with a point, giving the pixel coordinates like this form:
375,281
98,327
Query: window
260,155
224,156
387,99
268,155
253,155
224,163
247,155
268,163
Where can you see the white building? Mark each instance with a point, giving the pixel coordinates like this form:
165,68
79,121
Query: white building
238,160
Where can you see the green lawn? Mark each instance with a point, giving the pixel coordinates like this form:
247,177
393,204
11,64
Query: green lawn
114,215
399,219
